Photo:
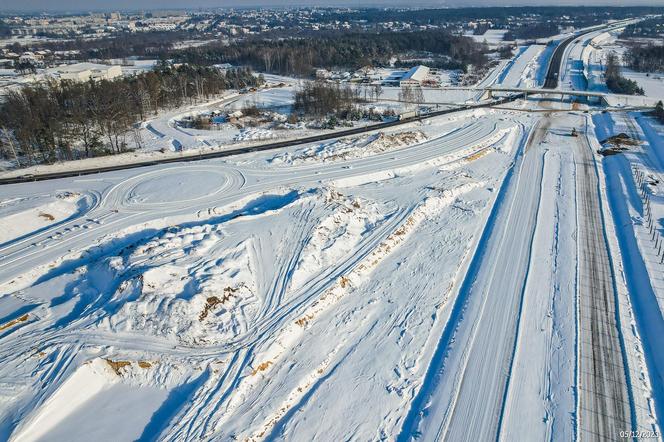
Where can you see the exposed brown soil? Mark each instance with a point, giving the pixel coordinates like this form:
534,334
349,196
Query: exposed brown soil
213,301
620,140
117,366
13,322
47,216
262,367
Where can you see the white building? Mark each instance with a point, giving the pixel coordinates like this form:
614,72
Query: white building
415,76
85,72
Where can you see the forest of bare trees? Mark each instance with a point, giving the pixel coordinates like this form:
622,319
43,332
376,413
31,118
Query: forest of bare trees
63,120
319,98
614,79
300,57
648,58
337,103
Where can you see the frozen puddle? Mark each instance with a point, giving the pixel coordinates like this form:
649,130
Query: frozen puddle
94,404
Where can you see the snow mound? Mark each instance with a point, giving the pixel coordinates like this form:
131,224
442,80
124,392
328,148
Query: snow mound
185,287
337,234
94,390
349,148
255,135
48,211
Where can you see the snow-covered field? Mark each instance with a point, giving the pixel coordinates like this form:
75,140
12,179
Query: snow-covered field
493,37
483,275
203,288
24,215
523,70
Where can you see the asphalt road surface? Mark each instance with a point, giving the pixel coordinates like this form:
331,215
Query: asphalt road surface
551,80
604,405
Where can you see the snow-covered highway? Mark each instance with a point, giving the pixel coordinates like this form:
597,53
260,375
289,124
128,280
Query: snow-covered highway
458,278
477,346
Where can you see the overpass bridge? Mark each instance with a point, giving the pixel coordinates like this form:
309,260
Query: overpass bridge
490,90
603,98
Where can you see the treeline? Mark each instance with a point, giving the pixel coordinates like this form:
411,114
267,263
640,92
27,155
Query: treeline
301,56
533,31
337,104
5,29
645,58
579,15
659,111
319,99
615,81
122,45
63,120
652,28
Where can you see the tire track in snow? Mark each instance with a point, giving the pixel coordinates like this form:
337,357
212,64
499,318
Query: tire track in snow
488,362
539,399
280,343
218,394
432,409
471,134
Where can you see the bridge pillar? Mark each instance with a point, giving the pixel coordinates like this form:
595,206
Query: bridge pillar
488,94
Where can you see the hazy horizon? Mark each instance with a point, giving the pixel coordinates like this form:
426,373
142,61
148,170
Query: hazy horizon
107,5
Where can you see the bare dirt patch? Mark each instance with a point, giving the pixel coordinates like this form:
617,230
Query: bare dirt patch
47,216
117,366
213,301
13,322
262,367
617,144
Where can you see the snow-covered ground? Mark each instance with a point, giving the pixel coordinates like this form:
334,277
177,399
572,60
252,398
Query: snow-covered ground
199,283
635,188
480,275
516,328
23,215
523,70
492,37
652,84
162,137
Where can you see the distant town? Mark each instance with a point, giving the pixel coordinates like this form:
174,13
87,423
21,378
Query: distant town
110,45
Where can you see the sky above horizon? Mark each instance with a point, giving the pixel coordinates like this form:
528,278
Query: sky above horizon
95,5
